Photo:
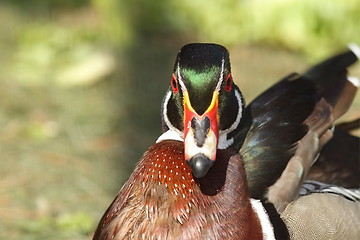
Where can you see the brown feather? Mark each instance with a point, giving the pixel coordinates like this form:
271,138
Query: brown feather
339,160
286,187
326,111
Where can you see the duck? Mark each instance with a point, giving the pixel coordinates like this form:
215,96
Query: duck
207,175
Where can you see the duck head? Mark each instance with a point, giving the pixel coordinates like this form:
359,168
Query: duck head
203,105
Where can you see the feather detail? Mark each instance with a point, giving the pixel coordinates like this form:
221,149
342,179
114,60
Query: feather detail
162,200
339,160
310,187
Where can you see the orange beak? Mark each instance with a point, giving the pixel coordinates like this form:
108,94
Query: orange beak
201,134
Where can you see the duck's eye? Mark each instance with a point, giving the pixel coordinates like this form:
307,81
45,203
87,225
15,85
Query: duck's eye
228,83
174,84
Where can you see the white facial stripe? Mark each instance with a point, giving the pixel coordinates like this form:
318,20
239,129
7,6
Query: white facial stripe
223,141
166,119
239,115
221,79
179,78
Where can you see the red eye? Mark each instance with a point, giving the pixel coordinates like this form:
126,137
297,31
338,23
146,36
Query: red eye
174,84
228,83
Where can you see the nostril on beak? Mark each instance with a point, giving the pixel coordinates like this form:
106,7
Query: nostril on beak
201,128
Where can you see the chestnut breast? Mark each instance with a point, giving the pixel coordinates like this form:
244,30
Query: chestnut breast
162,200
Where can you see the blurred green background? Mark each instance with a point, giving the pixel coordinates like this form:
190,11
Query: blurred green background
81,84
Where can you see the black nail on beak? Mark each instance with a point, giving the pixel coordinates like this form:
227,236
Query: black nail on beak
200,165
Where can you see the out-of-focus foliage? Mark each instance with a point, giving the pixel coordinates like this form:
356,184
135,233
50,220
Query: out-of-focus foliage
115,20
69,226
310,27
49,4
306,26
52,44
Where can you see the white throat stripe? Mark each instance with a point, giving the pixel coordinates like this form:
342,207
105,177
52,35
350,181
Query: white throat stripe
224,142
166,119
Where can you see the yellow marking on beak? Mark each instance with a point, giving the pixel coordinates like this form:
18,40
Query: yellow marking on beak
214,102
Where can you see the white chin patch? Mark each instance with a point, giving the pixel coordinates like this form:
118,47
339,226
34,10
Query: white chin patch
354,81
208,148
224,142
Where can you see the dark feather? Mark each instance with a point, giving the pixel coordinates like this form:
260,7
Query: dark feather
339,160
279,118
